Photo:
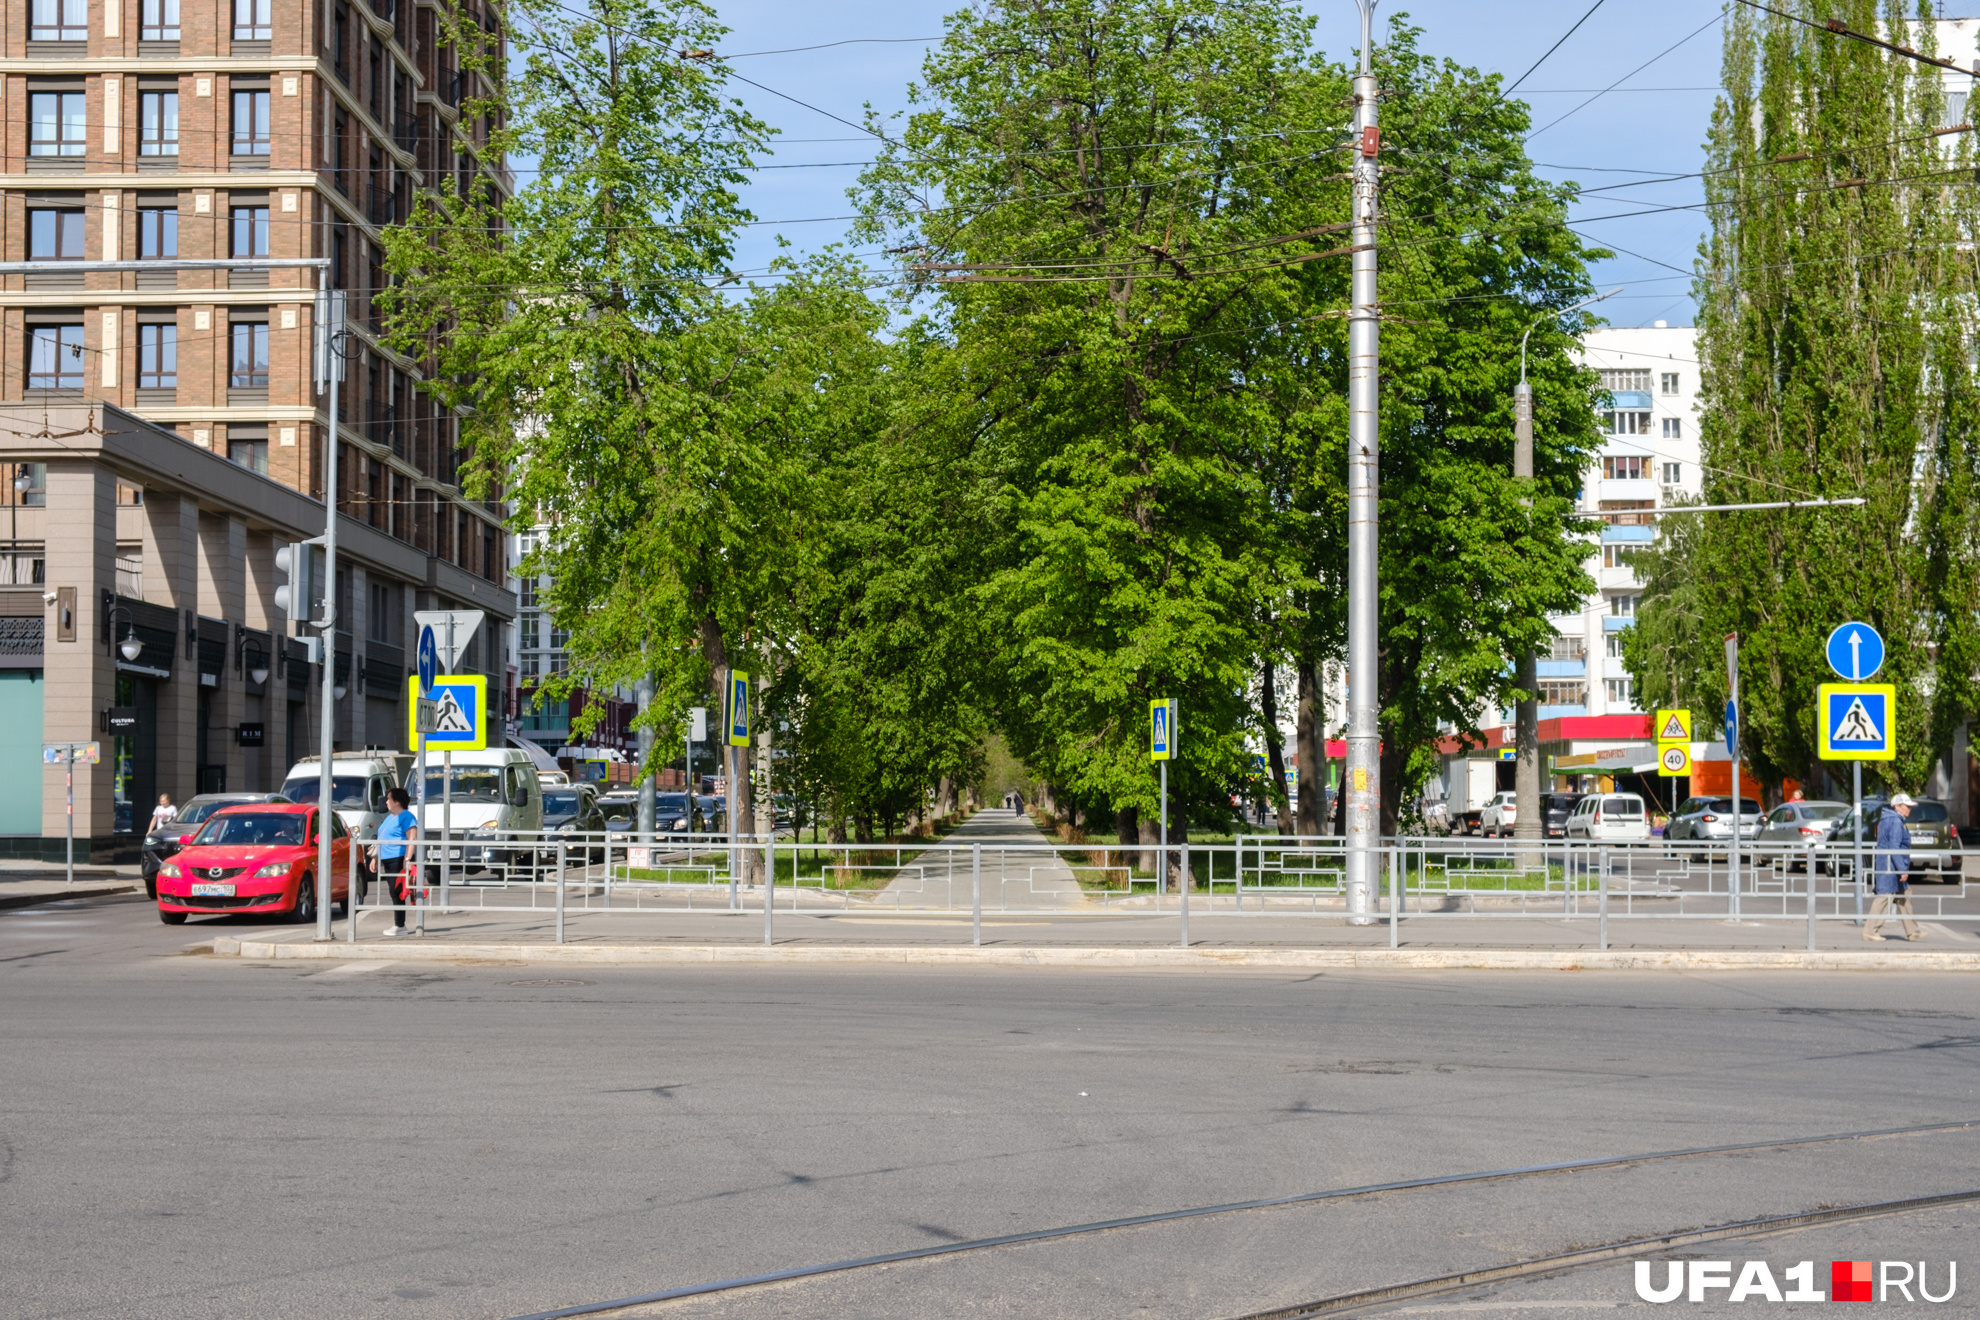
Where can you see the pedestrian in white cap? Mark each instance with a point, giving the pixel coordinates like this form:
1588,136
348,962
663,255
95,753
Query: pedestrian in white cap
1893,870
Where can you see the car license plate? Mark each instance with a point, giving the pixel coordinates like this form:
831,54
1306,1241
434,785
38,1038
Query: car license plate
1921,838
212,891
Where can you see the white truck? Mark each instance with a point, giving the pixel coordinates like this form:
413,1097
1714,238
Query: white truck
1475,802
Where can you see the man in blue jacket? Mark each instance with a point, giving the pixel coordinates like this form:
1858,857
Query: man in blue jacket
1893,868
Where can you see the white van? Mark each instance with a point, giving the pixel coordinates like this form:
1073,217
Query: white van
494,792
358,780
1609,818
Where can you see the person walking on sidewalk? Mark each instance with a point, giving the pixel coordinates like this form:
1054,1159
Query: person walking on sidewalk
1893,871
388,852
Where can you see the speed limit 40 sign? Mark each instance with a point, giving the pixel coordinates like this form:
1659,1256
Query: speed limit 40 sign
1673,760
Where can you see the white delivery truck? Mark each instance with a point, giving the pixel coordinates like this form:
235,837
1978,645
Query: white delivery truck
1473,791
496,794
358,780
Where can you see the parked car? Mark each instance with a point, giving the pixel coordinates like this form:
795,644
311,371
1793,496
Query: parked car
1934,840
570,810
1555,808
1609,818
1796,825
1710,820
493,795
167,840
259,858
1497,818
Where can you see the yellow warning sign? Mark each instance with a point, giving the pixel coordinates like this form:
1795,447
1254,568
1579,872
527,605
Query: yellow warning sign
1673,760
1673,726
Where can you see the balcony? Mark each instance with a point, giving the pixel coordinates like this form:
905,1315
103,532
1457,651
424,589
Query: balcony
1561,668
1558,712
1626,488
1629,399
1618,533
1615,623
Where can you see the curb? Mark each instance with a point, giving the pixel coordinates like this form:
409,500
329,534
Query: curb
63,895
1613,960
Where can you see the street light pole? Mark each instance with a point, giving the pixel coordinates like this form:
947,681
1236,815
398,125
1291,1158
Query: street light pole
329,370
1364,739
1527,824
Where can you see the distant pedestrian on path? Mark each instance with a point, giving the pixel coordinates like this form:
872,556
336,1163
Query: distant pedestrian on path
164,813
1893,870
388,853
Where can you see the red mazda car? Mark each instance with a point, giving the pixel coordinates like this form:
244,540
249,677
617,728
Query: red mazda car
258,859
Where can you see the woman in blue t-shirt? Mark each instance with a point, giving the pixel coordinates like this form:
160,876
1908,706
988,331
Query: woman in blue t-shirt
388,852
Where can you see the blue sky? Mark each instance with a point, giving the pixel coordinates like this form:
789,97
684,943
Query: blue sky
1653,123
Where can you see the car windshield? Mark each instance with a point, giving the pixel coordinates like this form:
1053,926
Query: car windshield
560,804
346,791
1559,802
1825,811
1928,813
666,802
472,783
616,808
196,811
253,828
1747,806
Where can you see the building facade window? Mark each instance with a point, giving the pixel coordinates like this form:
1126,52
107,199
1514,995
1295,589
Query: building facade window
1615,556
158,357
250,231
1562,692
1624,467
158,123
251,132
1566,648
1620,422
254,20
251,452
58,123
1627,379
250,355
158,232
1673,473
55,235
159,21
59,20
55,357
1673,428
1623,605
1669,382
1615,645
1619,691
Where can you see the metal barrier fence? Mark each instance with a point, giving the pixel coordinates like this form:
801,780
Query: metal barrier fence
1429,880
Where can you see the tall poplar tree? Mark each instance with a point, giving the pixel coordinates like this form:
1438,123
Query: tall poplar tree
1836,322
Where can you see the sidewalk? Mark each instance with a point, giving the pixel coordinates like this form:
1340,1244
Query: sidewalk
23,883
1012,876
1106,939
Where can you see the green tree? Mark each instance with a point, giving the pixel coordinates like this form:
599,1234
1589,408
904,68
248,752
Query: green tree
1836,316
667,432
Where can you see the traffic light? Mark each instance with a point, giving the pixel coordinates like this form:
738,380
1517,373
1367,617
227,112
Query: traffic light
293,597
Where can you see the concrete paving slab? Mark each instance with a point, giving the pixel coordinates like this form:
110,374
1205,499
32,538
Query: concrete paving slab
1020,868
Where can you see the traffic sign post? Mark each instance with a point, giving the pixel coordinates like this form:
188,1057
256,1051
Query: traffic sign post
1856,652
1161,750
1732,746
735,722
66,755
429,660
1673,726
1851,723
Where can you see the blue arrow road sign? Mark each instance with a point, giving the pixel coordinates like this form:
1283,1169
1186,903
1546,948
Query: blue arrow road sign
1732,728
429,661
1856,651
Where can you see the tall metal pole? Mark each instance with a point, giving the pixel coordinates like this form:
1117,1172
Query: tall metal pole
642,698
330,323
1856,828
1527,824
1364,765
1162,866
1732,675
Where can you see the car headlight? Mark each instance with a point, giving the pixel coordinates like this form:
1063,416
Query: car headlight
272,869
483,831
169,869
681,823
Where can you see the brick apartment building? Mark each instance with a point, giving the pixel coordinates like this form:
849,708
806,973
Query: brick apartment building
169,130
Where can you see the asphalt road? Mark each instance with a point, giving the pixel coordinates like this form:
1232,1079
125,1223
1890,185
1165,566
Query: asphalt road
190,1136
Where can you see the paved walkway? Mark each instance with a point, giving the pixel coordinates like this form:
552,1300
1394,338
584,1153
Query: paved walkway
1019,869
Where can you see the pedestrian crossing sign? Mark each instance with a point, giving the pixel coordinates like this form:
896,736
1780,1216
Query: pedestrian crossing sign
1853,721
457,713
1162,729
1673,726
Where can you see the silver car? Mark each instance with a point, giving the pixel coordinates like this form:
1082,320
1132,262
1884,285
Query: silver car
1709,820
1796,825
